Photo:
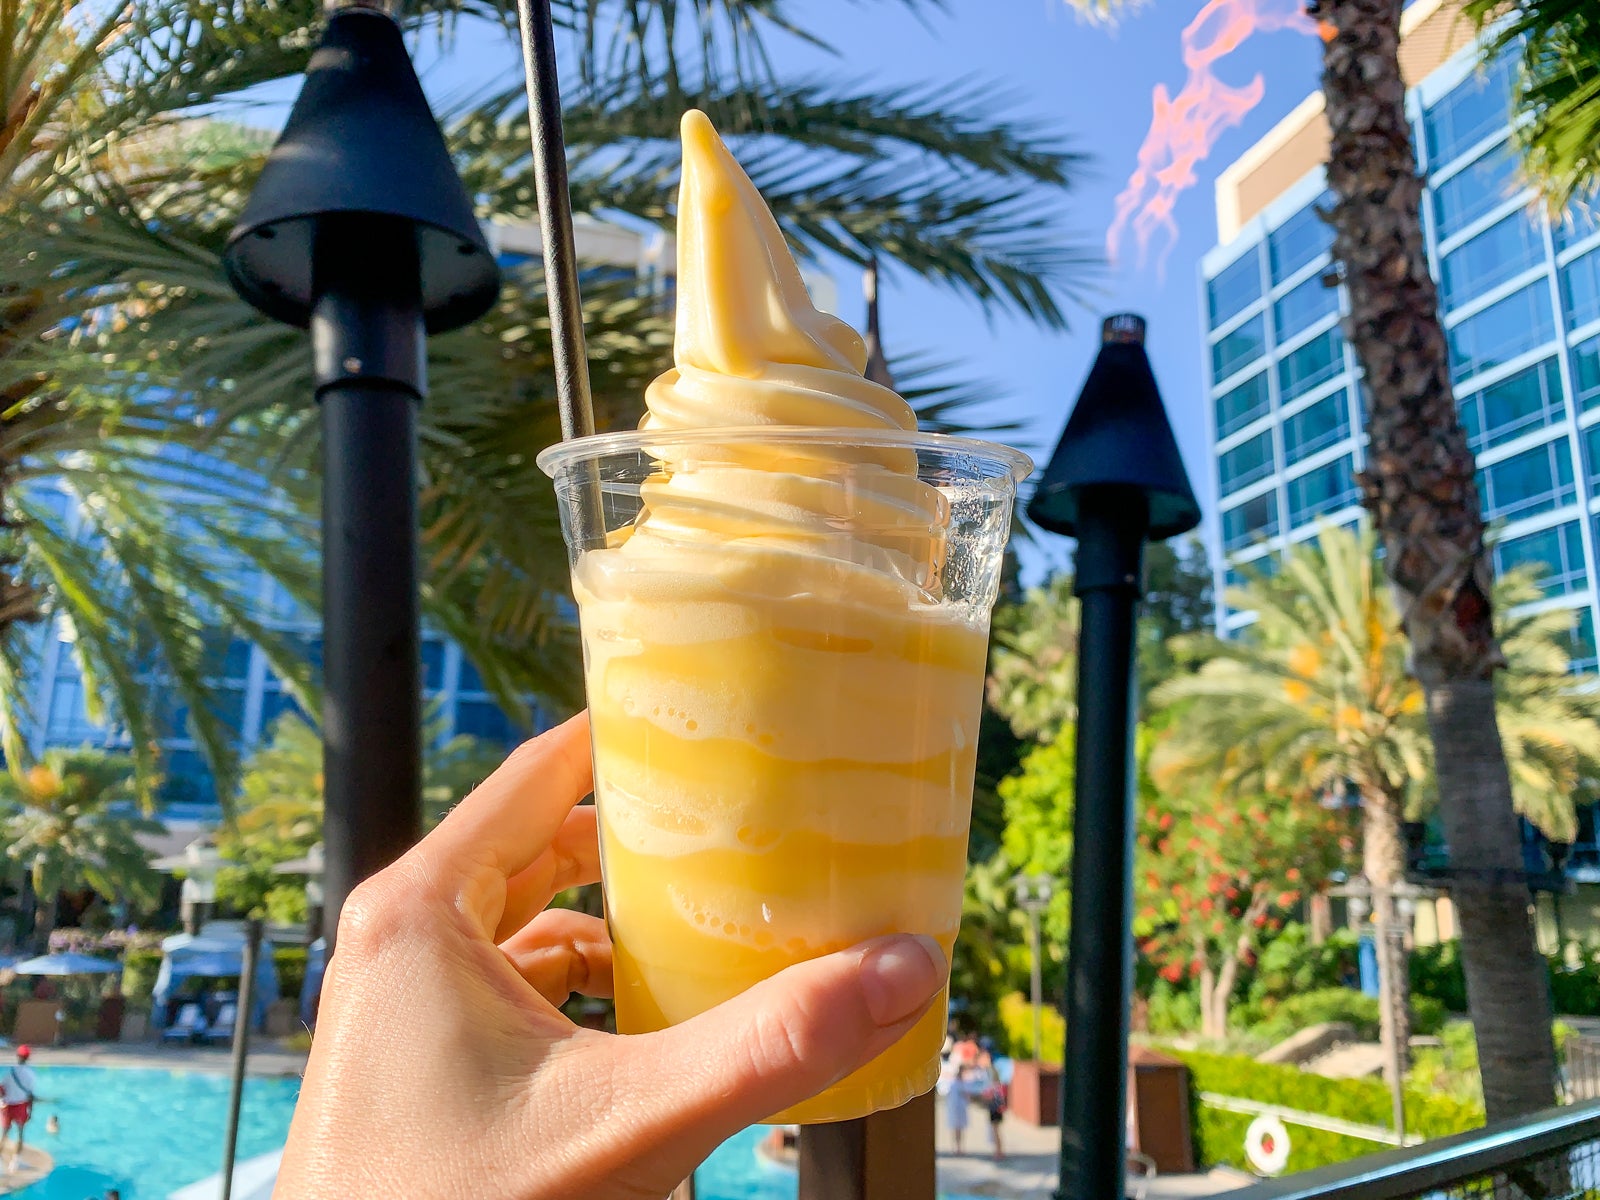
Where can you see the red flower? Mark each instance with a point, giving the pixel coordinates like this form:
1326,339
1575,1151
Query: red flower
1293,874
1172,972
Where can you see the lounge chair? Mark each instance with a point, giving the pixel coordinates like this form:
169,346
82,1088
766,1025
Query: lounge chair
222,1028
190,1025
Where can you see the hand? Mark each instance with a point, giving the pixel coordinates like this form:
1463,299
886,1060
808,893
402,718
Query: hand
442,1066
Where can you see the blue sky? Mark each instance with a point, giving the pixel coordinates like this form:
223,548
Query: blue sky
1093,85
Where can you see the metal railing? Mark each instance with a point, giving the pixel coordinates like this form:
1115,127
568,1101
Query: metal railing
1554,1155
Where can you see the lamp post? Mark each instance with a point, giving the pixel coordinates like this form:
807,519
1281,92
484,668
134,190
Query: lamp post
360,230
1115,482
1034,893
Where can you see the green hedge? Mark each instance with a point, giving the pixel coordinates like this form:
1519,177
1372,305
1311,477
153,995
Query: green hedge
1219,1135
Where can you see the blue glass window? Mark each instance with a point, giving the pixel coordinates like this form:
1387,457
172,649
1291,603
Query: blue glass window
1555,555
1300,309
1316,428
1503,251
1241,405
1527,400
1320,490
470,680
1474,191
1319,360
1477,107
1535,481
1303,238
1586,373
1239,348
1591,451
1578,224
1245,463
1246,523
1581,644
1239,574
274,703
1236,287
484,719
1580,289
68,721
1521,322
432,665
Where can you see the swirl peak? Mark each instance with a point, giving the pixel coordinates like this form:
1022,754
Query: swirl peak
742,306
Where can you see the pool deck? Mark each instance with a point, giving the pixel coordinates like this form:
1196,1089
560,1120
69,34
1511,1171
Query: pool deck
269,1061
1028,1171
32,1167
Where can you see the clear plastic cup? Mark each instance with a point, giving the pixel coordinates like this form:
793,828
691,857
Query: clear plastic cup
784,633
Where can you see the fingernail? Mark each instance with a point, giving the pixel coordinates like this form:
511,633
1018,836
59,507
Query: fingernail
899,975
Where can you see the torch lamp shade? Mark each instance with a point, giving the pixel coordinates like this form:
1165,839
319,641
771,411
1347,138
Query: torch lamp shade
1118,435
360,112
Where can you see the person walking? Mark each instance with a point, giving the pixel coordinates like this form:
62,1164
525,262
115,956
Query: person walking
992,1093
18,1087
952,1090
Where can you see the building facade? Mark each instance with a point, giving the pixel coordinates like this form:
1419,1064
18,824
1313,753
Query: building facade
1520,297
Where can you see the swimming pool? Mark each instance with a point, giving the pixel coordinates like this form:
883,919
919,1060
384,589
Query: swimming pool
147,1132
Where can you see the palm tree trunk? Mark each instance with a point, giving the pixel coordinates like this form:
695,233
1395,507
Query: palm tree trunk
1383,863
1419,485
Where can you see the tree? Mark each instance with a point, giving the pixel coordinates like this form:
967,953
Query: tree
1558,92
1214,873
1219,874
1316,698
1420,487
134,379
1033,669
70,822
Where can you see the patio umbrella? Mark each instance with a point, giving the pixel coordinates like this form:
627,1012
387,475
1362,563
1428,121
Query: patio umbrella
253,1179
68,963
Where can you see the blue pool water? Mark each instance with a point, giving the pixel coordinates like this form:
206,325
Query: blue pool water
147,1132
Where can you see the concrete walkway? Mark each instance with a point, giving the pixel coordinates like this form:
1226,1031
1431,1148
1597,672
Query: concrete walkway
268,1060
1028,1171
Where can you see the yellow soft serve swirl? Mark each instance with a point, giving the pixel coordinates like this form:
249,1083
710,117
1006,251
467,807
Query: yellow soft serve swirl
752,350
784,699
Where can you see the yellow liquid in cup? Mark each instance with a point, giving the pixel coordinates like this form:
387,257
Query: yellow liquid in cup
792,787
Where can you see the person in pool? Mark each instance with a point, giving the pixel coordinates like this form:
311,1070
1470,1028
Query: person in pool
18,1087
448,979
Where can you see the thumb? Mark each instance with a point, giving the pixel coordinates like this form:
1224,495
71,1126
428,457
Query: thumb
784,1040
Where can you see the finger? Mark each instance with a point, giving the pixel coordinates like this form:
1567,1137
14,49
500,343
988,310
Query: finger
560,952
782,1042
509,820
571,860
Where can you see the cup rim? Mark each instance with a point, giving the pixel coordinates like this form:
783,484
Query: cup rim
553,459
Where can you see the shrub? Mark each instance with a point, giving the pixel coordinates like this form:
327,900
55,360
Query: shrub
1173,1009
290,963
139,970
1436,973
1220,1134
1290,965
1343,1004
1016,1021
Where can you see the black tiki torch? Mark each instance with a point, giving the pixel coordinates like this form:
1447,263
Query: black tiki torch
1115,482
360,230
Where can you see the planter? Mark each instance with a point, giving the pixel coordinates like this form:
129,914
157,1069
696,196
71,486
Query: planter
1036,1093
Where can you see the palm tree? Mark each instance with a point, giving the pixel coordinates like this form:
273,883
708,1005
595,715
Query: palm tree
1559,89
69,821
133,381
1420,486
1316,697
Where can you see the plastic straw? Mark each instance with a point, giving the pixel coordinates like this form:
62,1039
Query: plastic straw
555,220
